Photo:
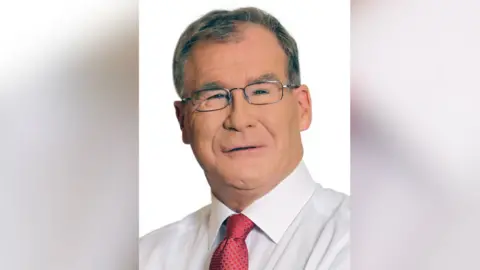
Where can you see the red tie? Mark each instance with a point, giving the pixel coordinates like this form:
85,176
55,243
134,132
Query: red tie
232,253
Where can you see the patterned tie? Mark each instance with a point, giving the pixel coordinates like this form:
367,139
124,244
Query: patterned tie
232,253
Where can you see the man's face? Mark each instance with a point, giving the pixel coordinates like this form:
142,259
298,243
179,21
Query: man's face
272,130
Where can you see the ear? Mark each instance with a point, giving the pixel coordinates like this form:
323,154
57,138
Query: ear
180,113
304,100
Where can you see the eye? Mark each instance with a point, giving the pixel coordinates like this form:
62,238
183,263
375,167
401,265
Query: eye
217,96
261,92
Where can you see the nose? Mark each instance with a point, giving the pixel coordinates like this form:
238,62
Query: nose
239,117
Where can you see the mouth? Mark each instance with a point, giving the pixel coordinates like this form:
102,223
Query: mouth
241,148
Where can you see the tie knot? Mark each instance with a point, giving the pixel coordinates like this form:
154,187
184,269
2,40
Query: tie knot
239,226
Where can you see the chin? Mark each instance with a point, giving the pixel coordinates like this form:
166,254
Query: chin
245,184
246,178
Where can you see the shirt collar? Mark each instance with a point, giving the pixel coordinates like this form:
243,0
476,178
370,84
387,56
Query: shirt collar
275,211
218,213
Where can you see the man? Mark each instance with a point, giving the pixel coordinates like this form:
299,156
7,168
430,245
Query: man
242,110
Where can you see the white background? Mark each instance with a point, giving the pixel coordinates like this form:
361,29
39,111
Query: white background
172,184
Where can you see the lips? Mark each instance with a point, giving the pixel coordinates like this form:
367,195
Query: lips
239,148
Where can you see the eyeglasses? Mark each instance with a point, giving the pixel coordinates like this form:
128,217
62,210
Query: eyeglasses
258,93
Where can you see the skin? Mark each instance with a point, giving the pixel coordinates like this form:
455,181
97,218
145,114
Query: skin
239,178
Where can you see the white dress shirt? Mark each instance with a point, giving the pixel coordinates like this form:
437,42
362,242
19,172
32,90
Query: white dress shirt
298,225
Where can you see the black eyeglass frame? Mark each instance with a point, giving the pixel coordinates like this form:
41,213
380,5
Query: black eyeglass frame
230,97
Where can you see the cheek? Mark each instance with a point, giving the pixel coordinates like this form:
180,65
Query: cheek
282,127
204,129
275,127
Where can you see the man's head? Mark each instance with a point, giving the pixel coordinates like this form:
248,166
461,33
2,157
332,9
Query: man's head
247,140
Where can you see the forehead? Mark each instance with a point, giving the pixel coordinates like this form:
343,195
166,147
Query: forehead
255,52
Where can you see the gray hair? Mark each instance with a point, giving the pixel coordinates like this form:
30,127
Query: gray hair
219,25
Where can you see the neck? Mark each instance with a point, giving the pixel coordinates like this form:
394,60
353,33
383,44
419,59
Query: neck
239,199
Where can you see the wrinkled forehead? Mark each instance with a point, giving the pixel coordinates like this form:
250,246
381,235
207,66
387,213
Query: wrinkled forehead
254,55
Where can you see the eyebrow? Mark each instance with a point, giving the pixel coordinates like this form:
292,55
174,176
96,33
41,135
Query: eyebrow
264,77
261,78
211,85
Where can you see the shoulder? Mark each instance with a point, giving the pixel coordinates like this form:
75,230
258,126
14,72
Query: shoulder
332,204
333,210
163,239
